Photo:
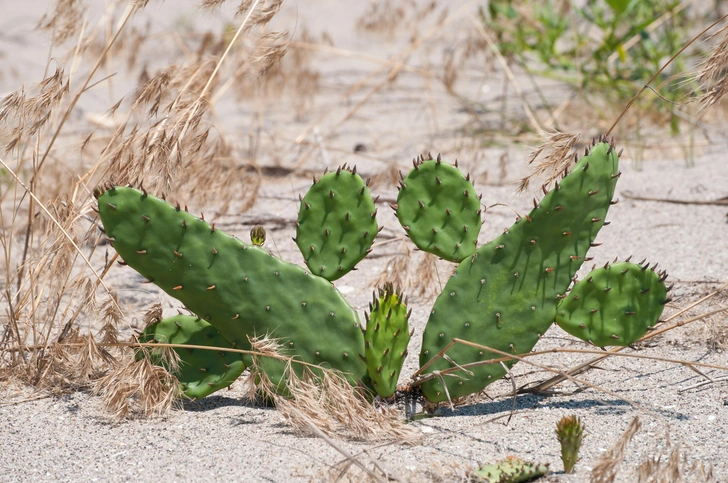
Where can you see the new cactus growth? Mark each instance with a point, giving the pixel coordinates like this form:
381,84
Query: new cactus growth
201,372
570,432
336,224
505,295
257,235
386,338
510,470
614,305
439,209
240,289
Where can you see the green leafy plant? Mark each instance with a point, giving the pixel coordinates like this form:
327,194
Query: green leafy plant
602,49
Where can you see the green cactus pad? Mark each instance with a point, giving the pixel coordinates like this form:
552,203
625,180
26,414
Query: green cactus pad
386,338
505,295
336,224
201,372
439,209
570,432
614,305
240,289
510,470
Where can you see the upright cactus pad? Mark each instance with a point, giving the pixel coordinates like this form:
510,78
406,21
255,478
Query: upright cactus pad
386,338
240,289
510,470
570,432
505,295
336,224
614,305
439,209
201,372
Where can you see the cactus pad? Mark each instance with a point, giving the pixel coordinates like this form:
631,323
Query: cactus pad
510,470
201,372
240,289
614,305
336,224
505,295
386,338
439,209
570,432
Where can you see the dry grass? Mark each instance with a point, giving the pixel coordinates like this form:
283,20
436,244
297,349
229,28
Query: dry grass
162,136
323,402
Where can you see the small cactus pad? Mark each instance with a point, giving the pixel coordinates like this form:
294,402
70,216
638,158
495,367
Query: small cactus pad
439,209
201,372
505,295
386,339
614,305
510,470
570,432
240,289
336,224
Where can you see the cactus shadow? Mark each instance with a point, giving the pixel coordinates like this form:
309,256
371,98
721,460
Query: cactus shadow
217,401
530,402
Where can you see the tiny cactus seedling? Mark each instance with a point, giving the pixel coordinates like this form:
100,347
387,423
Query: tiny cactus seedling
386,338
336,224
439,209
614,305
570,432
201,371
257,235
510,470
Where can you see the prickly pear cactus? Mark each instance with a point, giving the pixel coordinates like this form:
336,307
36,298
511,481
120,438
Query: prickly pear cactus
570,432
439,209
240,289
505,295
201,372
510,470
386,338
614,305
336,224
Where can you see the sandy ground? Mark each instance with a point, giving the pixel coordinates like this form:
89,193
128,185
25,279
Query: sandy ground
224,437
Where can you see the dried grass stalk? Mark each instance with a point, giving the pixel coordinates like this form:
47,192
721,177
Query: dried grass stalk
397,269
325,400
674,469
605,471
139,388
711,72
556,153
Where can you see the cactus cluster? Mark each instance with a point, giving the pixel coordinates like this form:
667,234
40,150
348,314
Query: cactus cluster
503,295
